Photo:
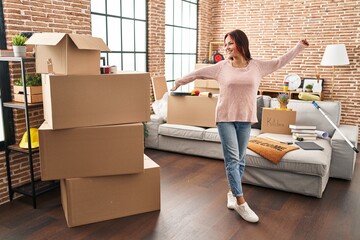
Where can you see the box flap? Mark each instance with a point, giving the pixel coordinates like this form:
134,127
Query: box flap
88,42
45,39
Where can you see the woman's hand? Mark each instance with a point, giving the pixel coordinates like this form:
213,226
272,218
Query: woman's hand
305,42
175,87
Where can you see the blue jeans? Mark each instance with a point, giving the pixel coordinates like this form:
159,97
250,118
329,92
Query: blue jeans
234,140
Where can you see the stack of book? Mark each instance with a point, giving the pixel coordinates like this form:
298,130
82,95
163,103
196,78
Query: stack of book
303,132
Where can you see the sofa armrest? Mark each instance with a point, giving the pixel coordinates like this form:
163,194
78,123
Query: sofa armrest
343,156
152,127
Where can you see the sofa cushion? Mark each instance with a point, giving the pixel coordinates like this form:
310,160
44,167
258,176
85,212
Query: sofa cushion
307,114
310,162
181,131
212,134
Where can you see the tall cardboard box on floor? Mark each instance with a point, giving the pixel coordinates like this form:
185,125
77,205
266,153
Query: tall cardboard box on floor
62,53
91,151
90,100
90,200
192,110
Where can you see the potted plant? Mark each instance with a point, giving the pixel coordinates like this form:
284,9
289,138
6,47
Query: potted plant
33,89
283,99
19,48
308,88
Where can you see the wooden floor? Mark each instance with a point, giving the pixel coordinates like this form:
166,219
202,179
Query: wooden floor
193,195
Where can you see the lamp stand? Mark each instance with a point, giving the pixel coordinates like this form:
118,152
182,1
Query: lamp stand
332,82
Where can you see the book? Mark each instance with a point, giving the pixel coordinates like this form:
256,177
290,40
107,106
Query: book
305,134
303,131
302,127
6,53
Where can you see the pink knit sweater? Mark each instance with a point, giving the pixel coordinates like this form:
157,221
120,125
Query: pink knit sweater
239,86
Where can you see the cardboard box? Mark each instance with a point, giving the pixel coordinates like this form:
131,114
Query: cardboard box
90,200
34,94
91,151
62,53
159,87
192,110
206,85
91,100
277,121
211,84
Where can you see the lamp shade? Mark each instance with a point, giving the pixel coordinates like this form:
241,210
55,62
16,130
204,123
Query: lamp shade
335,55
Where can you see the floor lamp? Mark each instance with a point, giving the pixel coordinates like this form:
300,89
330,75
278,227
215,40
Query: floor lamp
334,55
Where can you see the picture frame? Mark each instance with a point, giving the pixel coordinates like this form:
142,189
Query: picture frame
318,84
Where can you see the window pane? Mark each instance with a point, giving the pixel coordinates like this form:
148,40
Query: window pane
114,39
169,12
192,62
128,34
169,67
185,41
98,6
192,41
177,66
141,62
140,39
193,16
186,14
113,7
98,26
177,40
185,65
169,39
128,62
140,9
127,7
115,59
177,12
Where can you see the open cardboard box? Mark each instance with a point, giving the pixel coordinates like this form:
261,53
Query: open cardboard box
63,53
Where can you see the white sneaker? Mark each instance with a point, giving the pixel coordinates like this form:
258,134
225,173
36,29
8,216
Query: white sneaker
246,213
231,200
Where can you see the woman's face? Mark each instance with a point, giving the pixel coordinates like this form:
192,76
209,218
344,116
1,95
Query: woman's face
230,47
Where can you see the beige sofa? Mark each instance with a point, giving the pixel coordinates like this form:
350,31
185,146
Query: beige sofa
299,171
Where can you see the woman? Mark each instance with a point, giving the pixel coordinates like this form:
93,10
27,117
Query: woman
239,78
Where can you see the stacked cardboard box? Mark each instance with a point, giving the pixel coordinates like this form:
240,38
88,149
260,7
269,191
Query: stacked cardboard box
92,139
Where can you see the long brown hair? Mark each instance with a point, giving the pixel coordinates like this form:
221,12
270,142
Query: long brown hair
241,43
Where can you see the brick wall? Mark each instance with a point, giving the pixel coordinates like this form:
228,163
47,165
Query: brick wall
156,40
273,27
71,16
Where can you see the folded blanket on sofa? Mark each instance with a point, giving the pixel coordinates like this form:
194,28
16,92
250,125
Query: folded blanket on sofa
270,150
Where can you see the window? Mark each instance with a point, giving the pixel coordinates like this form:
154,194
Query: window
122,24
180,40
